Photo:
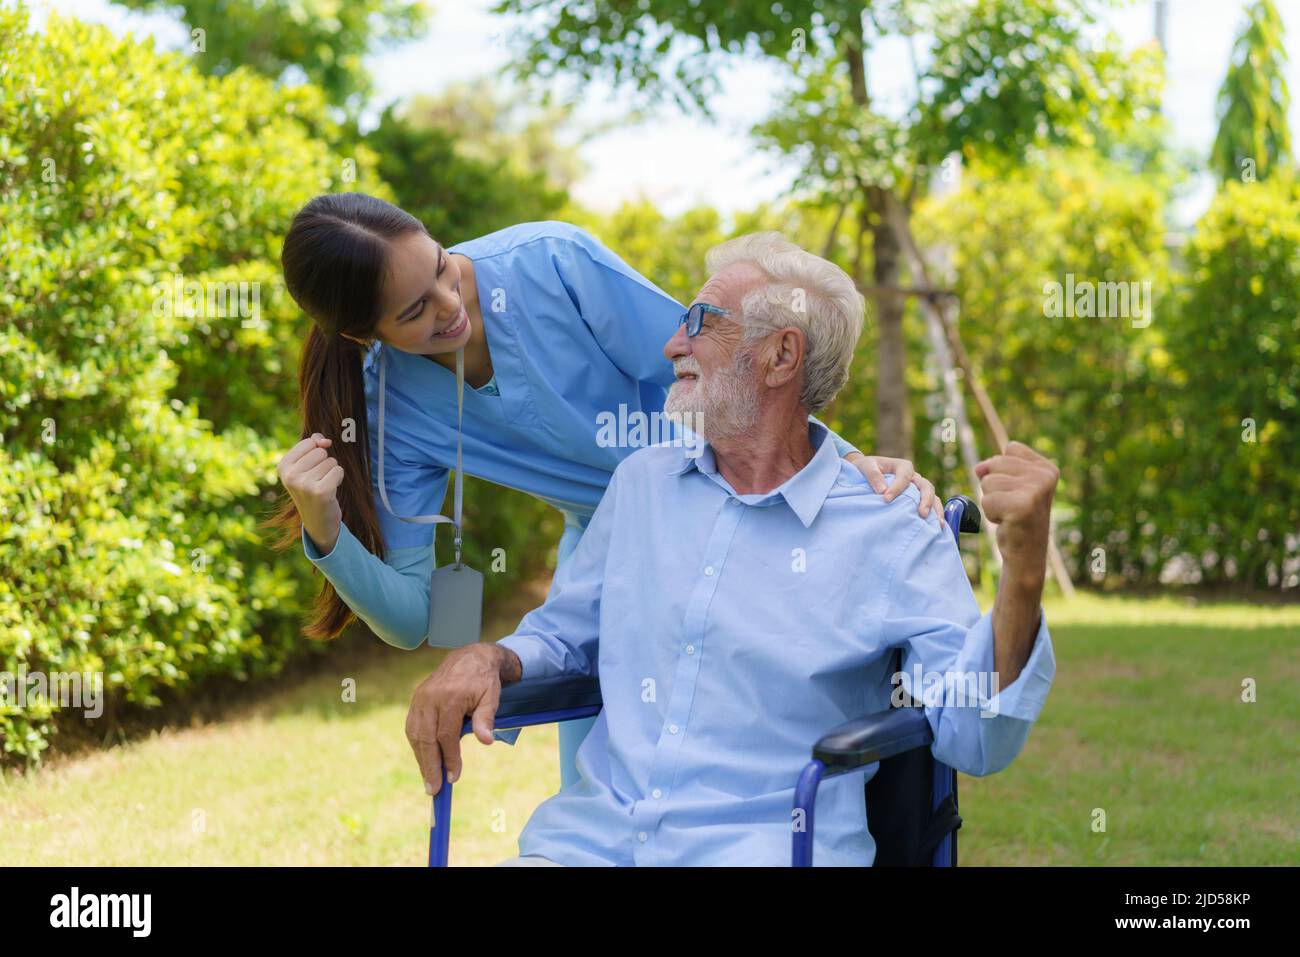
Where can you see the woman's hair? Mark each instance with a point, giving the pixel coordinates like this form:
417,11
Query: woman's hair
335,261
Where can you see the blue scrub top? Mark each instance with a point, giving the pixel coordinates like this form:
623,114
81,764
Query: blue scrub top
573,332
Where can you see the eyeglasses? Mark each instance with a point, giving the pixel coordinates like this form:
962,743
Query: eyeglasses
694,317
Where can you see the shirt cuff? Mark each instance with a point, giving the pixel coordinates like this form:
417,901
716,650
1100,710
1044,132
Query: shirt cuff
532,655
1024,698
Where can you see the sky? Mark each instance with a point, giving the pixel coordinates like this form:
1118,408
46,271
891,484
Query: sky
659,158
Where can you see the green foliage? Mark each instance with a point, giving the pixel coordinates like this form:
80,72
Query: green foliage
144,401
667,250
1083,390
139,442
635,41
839,143
464,169
1004,77
325,39
1173,438
493,121
1236,349
1253,102
1010,75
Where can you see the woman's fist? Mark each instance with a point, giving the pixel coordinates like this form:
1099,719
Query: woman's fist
312,476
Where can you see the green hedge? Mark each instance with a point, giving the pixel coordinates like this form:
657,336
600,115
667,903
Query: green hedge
1235,348
1176,437
1076,387
139,446
137,442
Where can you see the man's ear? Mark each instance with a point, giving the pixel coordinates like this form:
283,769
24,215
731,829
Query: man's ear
786,357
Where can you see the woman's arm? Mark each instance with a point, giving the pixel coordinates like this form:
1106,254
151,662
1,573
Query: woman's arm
391,596
841,445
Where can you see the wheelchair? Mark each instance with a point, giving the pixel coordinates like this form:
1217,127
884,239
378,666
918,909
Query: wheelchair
911,801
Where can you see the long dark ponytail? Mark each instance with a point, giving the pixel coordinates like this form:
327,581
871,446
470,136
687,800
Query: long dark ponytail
335,261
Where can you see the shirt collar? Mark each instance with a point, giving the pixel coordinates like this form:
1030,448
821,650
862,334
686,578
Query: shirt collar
804,492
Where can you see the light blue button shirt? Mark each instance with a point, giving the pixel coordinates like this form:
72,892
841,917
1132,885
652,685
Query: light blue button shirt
575,334
729,633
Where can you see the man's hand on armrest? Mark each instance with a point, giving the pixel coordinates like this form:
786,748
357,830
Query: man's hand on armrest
512,669
468,682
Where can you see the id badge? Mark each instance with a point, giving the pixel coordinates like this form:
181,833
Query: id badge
455,606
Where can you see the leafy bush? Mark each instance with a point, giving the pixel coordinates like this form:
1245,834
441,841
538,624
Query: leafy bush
1176,438
1086,390
471,161
139,443
148,366
1236,349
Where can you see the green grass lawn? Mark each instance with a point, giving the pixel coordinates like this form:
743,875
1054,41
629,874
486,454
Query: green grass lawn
1145,722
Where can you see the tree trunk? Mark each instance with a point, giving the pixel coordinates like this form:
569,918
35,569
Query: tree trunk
893,418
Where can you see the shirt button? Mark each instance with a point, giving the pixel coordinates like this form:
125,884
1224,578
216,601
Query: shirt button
690,649
643,837
708,570
672,729
656,793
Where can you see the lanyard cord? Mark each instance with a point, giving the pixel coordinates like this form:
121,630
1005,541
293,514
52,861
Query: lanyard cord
456,493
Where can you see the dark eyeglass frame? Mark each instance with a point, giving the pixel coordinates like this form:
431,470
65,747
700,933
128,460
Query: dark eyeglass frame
694,317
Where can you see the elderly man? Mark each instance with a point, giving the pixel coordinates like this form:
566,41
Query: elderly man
738,600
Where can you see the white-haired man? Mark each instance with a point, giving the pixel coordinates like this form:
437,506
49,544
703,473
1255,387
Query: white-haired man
739,601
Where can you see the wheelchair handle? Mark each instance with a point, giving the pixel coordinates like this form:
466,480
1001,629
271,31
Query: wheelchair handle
962,515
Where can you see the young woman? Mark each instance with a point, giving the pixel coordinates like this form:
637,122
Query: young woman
555,330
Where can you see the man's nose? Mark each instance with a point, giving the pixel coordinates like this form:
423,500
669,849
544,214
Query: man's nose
678,345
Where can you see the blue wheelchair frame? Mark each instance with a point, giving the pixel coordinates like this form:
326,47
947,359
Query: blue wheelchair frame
912,793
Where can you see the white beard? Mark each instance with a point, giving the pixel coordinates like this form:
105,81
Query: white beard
720,405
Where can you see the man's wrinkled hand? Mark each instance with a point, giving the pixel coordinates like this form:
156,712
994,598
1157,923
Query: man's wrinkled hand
468,682
1017,488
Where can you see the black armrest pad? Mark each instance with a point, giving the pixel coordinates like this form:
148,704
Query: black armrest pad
873,738
549,694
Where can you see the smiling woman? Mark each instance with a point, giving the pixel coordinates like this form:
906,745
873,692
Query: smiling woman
556,332
430,307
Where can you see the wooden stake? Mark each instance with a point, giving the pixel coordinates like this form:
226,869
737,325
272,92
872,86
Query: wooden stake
947,345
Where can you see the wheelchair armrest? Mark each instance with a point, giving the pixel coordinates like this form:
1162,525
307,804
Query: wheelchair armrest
873,738
564,693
